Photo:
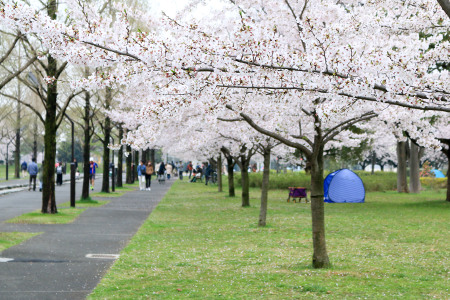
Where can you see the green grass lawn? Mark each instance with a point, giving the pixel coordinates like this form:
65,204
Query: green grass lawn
10,172
64,216
9,239
201,244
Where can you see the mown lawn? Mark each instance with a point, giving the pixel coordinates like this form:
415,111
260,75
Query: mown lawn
200,244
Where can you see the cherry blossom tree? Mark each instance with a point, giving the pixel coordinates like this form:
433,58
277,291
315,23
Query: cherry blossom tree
287,57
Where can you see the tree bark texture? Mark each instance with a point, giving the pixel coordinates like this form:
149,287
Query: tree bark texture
35,135
414,169
374,158
264,188
402,181
17,137
320,256
48,191
230,169
50,125
86,145
120,160
107,137
446,151
136,164
128,178
152,157
245,181
219,173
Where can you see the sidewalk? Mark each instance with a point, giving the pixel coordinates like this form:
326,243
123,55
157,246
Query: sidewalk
54,264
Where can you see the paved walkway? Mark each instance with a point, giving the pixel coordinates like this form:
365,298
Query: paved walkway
54,264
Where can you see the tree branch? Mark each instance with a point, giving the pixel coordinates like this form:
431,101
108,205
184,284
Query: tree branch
11,48
348,125
14,75
26,104
62,112
272,134
324,91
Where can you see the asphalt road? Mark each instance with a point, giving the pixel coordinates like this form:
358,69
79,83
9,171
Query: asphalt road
54,264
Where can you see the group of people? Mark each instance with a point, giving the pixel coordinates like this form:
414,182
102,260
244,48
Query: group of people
60,169
200,172
170,169
145,172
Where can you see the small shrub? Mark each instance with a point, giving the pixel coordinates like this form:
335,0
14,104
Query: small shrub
434,183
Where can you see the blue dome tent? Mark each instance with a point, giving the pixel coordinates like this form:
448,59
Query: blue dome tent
437,173
343,186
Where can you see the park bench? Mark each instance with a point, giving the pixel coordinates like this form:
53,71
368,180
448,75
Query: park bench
297,192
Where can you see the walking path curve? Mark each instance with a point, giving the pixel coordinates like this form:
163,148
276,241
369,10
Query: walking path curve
54,264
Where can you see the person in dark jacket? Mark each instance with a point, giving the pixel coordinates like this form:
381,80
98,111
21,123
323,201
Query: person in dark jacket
162,168
24,168
208,173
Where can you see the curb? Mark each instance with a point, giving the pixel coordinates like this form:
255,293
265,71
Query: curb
16,186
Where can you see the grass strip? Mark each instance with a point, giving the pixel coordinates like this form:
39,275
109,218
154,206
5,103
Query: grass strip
85,203
108,195
64,216
201,244
9,239
119,191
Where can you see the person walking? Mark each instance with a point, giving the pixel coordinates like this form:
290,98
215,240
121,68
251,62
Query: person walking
92,167
180,170
59,174
24,168
169,169
148,175
161,170
141,175
33,170
190,167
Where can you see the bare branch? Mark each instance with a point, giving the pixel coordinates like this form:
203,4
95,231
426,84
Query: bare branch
26,104
274,135
11,48
15,74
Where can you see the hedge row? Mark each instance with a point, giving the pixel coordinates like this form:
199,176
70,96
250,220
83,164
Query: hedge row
377,182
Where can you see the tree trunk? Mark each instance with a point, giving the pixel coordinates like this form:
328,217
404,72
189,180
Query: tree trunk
402,181
48,191
35,135
120,160
414,169
320,256
17,143
264,188
374,158
106,138
136,164
230,169
219,173
152,157
86,145
245,181
446,151
128,178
